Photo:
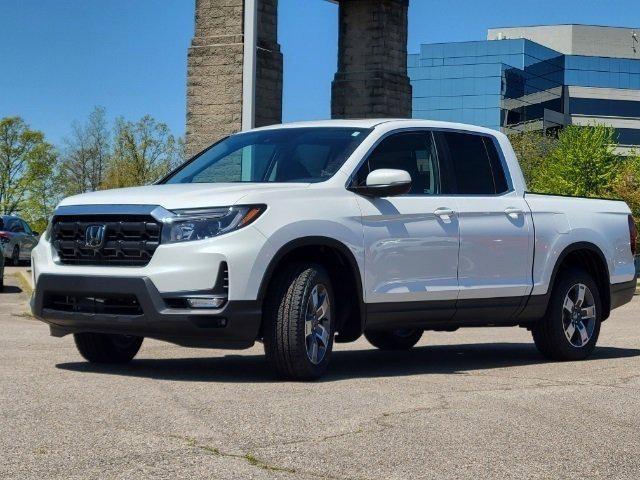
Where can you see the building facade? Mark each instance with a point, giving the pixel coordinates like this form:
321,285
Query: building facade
534,78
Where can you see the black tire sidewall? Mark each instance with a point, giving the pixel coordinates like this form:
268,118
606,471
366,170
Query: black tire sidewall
283,332
104,348
389,340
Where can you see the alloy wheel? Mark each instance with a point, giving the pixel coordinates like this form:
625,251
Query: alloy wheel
579,315
317,325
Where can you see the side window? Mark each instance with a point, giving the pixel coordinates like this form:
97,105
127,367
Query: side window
475,163
16,226
413,152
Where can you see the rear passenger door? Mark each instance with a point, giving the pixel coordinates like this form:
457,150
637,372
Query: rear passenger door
494,269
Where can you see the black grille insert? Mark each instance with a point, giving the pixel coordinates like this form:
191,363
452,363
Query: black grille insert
129,240
119,304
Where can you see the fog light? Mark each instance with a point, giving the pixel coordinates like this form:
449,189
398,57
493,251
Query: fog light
206,302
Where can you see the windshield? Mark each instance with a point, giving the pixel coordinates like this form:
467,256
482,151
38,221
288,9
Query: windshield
308,154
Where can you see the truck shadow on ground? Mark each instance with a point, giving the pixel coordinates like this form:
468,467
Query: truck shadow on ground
440,359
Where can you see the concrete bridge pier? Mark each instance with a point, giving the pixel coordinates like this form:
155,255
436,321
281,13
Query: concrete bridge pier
372,76
234,77
235,66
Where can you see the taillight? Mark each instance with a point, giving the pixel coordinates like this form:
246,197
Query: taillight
4,238
633,235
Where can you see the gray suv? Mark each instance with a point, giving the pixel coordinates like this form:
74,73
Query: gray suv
16,239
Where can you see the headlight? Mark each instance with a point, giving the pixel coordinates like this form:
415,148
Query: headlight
201,223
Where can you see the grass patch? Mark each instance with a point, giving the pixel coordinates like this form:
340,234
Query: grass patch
249,458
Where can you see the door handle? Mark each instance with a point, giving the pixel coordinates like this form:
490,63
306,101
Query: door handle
444,213
513,212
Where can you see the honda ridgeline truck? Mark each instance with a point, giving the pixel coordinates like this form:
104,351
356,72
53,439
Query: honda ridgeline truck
298,235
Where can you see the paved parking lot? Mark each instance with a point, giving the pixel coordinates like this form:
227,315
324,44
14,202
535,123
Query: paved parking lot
478,403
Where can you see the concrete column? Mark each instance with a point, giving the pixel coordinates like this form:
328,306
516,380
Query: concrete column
215,71
372,76
269,66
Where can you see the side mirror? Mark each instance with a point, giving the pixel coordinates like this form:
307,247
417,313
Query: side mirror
34,233
385,182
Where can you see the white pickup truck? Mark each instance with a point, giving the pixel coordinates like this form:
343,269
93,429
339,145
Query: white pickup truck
296,235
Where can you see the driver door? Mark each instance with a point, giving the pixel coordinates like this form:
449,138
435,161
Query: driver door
411,241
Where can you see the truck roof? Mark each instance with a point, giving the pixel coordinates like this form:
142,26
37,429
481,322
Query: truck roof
387,122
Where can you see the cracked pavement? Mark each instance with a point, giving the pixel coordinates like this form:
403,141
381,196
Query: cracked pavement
476,403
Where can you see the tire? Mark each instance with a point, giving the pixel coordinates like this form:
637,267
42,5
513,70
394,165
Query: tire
15,256
289,329
395,339
563,335
104,348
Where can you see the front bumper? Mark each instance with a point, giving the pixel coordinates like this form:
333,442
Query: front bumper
236,325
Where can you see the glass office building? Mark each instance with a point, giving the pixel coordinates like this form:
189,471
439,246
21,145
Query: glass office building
516,84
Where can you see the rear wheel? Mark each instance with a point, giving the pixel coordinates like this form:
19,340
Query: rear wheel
107,348
15,256
298,324
571,327
401,339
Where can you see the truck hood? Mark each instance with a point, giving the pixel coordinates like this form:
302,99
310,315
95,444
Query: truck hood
176,196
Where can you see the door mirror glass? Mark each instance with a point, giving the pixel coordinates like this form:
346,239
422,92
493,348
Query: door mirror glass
385,182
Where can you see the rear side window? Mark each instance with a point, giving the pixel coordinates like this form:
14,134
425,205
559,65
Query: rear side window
16,226
476,165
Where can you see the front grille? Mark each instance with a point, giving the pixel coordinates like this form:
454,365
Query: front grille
129,240
101,304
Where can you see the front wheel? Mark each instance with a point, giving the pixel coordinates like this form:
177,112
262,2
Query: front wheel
298,324
571,326
107,348
402,339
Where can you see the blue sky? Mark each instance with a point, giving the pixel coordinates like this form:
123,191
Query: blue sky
59,58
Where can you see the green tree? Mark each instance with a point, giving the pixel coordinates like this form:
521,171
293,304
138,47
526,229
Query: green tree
143,152
86,155
626,186
583,163
44,194
25,160
533,150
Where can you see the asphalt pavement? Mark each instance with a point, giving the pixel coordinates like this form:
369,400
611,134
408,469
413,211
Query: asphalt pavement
477,403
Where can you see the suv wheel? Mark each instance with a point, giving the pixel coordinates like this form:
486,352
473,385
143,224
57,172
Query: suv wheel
401,339
571,326
298,324
106,348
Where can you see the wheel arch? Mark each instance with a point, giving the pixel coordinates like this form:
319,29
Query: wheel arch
590,257
311,248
